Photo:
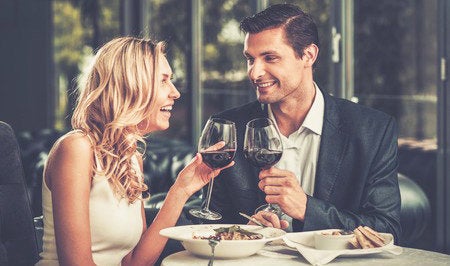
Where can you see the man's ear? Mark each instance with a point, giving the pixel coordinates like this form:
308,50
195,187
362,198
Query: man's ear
310,54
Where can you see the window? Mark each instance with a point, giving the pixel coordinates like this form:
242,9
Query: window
396,63
79,28
169,21
224,73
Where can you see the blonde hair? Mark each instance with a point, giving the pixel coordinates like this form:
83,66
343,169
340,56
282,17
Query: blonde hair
115,95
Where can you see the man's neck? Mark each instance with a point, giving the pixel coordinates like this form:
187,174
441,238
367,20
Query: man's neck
291,113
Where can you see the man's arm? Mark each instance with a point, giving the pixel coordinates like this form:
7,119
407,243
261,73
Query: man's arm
379,206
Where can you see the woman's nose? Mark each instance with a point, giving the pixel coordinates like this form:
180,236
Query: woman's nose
175,94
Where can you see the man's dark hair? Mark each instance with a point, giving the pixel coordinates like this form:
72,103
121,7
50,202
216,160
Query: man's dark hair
299,27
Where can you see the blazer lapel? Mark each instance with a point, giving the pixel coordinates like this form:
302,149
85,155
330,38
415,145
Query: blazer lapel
333,146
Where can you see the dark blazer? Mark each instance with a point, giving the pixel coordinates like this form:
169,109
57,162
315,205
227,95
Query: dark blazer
356,177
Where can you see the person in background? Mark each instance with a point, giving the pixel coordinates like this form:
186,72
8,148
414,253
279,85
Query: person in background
339,164
93,182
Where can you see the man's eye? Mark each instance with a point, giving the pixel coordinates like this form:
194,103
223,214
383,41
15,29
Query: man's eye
270,58
250,60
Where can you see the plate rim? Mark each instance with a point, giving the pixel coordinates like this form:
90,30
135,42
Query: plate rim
344,252
162,232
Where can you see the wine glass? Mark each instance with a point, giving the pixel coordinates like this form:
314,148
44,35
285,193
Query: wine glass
215,156
263,149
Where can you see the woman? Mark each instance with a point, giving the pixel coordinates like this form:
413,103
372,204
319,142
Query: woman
92,186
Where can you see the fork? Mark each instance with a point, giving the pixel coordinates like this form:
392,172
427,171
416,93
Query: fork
212,243
252,219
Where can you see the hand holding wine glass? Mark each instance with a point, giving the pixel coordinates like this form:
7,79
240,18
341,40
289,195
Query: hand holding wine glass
263,149
217,146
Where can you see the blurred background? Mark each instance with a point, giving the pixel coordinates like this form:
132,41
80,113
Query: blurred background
390,55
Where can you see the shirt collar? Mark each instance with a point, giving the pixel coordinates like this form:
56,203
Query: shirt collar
314,119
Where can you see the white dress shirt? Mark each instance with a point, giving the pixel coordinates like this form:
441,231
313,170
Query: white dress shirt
301,148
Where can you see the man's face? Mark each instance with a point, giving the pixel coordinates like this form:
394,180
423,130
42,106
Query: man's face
273,67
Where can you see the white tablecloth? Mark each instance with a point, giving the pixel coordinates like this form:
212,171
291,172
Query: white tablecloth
280,256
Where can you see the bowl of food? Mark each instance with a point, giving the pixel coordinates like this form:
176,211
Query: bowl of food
333,239
228,241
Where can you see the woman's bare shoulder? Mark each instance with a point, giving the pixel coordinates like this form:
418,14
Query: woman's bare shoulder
71,156
73,142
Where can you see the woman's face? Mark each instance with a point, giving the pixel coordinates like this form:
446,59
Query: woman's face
165,99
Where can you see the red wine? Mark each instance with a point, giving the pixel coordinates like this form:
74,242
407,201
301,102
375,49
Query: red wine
218,159
262,158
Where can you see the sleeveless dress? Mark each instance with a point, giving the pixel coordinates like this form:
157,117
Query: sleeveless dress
116,226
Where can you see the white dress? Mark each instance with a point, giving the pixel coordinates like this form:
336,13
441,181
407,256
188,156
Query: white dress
116,226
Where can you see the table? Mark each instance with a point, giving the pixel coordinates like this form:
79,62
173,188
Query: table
289,257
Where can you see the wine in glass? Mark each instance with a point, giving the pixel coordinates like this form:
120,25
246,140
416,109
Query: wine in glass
215,155
263,149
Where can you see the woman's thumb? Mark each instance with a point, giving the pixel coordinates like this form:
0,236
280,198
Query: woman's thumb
198,159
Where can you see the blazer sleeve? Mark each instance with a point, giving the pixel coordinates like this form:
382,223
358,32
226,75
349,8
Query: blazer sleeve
380,203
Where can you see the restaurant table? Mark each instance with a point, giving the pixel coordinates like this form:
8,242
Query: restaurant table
285,256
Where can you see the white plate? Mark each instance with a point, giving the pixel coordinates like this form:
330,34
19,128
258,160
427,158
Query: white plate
226,249
306,241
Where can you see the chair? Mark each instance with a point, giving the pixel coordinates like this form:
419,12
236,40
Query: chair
415,211
18,244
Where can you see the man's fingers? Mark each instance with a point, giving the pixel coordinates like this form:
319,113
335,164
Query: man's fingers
274,172
274,190
277,182
272,218
284,224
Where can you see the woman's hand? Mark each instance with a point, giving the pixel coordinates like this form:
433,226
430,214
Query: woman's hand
270,219
196,175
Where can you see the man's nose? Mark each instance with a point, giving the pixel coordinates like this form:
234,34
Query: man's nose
256,71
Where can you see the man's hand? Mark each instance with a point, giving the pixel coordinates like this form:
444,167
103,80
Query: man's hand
282,188
270,219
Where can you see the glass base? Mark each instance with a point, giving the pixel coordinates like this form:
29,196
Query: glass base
273,208
205,214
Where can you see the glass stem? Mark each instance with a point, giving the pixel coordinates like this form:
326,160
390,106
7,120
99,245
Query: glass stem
208,194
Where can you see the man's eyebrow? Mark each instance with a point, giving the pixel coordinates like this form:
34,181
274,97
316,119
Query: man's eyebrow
269,52
246,54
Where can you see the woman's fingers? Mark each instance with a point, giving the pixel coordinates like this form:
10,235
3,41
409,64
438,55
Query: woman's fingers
216,172
219,145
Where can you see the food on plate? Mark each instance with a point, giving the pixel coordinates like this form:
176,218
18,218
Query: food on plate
338,233
231,233
354,243
366,237
332,239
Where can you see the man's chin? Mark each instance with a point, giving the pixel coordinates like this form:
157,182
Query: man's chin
263,99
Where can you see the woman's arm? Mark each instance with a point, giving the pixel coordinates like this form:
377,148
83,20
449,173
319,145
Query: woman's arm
68,175
191,179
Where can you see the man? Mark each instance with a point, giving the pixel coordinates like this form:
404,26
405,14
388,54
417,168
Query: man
339,165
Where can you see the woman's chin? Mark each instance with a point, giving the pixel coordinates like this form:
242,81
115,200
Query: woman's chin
164,126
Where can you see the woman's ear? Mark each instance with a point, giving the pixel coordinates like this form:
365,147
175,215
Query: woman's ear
310,54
